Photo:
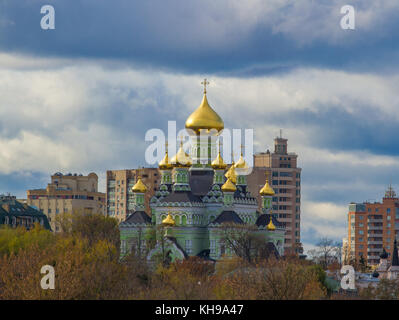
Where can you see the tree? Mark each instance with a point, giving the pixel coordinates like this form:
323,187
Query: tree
92,226
244,241
326,252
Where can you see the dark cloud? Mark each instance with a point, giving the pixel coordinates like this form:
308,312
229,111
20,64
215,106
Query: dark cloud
198,36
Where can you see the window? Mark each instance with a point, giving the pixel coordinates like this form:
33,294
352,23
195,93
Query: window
361,247
361,232
188,245
388,210
360,239
213,247
361,225
388,217
360,217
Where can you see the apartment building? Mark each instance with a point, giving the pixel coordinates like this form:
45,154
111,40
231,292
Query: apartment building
119,189
285,178
67,193
372,227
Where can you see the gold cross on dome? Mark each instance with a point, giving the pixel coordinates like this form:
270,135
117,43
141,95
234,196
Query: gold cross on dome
205,83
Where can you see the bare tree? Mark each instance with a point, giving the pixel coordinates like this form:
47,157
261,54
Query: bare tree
326,252
244,241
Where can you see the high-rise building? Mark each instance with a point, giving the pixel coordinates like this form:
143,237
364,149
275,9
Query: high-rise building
281,167
67,193
372,228
119,189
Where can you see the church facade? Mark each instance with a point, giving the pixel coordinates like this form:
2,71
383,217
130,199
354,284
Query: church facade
198,198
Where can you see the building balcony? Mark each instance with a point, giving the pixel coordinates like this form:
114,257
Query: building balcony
370,250
375,228
375,242
373,257
374,220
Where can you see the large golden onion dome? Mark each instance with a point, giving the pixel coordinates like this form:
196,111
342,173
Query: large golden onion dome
169,221
267,190
218,163
181,159
139,187
204,117
229,186
164,164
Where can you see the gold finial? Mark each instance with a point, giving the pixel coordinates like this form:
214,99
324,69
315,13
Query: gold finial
168,221
271,226
205,82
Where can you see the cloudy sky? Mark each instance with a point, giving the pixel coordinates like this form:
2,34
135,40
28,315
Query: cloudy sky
81,97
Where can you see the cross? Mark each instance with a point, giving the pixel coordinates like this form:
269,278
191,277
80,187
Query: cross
242,148
166,146
267,175
205,82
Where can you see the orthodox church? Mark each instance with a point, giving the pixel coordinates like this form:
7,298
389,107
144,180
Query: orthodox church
199,194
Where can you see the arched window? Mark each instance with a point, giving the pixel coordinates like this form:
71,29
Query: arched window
184,220
177,219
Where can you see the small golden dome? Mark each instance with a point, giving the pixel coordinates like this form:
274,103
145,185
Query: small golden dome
231,174
218,163
181,159
241,164
266,190
271,226
165,164
139,187
168,221
204,117
229,186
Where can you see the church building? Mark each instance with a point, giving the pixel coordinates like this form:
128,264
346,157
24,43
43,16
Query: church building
198,197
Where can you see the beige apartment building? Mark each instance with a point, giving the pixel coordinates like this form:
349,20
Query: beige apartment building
285,178
119,189
372,227
67,194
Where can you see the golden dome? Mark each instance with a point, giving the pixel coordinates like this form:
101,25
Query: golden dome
271,226
139,187
231,174
165,164
266,190
218,163
204,117
241,164
181,159
168,221
229,186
